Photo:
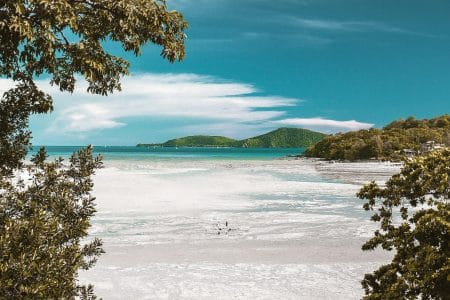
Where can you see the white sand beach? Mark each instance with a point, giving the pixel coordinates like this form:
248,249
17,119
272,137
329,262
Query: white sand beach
233,229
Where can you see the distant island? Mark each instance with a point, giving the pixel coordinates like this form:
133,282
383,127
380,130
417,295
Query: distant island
398,139
279,138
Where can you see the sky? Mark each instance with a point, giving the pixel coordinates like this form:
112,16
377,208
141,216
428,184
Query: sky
256,65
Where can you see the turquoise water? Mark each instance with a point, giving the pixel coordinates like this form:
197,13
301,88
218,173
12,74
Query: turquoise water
132,153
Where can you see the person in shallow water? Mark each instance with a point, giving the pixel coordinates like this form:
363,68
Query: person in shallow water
223,230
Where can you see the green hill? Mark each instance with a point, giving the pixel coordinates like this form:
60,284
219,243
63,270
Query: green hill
386,143
282,138
201,141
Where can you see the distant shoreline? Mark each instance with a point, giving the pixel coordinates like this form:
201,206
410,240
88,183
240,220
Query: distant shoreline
207,147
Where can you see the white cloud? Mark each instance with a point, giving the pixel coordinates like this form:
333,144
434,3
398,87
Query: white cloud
164,95
349,26
214,106
325,125
5,85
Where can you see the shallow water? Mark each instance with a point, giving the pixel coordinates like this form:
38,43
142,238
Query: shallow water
231,227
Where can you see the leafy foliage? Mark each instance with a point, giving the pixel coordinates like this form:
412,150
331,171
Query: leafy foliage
413,211
64,37
42,221
15,108
386,143
282,137
44,218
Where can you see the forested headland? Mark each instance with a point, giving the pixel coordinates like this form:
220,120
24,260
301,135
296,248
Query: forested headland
400,137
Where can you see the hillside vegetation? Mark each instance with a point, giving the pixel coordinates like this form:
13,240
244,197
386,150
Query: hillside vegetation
386,143
201,141
280,138
284,138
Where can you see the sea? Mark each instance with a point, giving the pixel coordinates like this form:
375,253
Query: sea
229,223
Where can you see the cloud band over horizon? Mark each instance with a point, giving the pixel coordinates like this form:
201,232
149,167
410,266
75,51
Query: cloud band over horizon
225,107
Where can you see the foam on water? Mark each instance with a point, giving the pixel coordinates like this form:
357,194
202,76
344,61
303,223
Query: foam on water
230,229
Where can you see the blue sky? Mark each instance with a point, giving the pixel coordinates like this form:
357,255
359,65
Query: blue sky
255,65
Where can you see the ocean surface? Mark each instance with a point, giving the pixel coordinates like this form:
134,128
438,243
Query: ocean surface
153,153
197,223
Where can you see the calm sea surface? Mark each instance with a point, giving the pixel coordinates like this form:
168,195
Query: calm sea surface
136,153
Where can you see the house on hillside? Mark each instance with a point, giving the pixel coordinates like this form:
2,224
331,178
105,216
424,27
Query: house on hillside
430,145
410,153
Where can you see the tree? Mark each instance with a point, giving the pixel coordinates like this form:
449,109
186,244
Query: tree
42,222
44,218
413,211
